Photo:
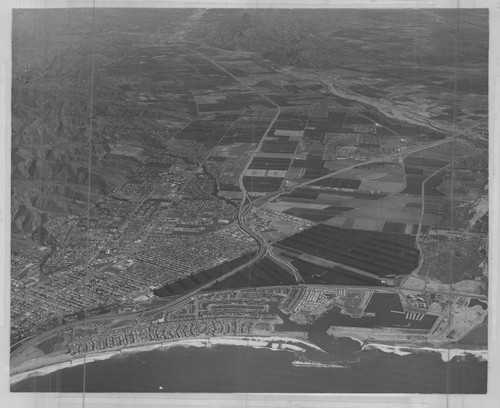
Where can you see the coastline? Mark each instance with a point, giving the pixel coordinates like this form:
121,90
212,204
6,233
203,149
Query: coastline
258,342
446,354
282,344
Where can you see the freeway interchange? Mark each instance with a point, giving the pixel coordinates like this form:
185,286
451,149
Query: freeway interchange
246,206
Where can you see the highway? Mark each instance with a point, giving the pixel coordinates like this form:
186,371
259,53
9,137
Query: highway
243,211
271,196
268,197
245,208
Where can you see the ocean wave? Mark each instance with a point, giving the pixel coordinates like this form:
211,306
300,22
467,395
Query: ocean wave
277,344
386,349
446,354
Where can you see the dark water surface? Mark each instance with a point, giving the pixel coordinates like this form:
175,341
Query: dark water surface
245,369
223,368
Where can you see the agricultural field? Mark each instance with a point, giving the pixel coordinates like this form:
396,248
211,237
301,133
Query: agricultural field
316,167
264,273
314,274
379,253
180,286
397,208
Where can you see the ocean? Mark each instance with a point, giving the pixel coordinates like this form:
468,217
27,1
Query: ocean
223,368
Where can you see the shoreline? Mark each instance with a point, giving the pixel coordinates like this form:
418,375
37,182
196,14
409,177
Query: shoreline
403,350
283,344
446,354
277,344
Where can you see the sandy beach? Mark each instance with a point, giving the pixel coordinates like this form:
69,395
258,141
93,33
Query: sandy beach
66,361
446,354
48,365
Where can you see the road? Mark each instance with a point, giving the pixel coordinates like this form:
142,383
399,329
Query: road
244,209
246,204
